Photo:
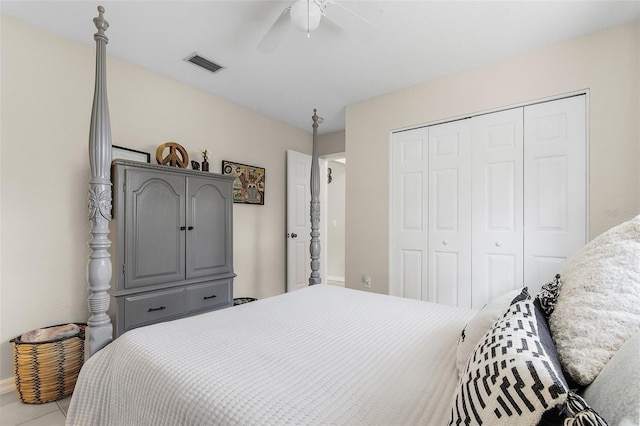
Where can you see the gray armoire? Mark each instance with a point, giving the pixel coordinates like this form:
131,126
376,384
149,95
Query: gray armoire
173,243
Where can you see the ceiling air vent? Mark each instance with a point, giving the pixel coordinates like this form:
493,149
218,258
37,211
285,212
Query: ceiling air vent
198,60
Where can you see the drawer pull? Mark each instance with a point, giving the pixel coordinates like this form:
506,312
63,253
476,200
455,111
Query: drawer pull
156,309
209,297
190,228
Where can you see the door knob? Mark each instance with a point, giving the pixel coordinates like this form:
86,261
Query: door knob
498,243
445,242
294,235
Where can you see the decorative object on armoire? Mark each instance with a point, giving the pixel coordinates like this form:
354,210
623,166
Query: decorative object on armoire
47,370
173,240
248,187
176,157
205,160
195,165
129,154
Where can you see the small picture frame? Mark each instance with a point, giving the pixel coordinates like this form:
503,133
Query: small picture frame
248,187
119,152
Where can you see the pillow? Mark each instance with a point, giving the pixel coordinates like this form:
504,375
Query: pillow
615,393
548,295
480,323
598,308
513,375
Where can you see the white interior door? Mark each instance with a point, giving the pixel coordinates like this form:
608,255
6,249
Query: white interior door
449,232
409,207
497,242
555,178
298,220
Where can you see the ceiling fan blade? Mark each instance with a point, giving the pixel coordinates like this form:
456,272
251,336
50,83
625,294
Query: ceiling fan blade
276,33
349,21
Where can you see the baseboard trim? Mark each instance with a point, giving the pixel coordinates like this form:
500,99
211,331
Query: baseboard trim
332,278
7,385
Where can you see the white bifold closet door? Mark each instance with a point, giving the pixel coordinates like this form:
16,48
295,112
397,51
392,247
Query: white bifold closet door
409,183
449,200
555,197
497,239
505,201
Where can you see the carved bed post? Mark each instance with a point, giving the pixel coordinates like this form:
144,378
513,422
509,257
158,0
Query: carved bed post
314,247
99,329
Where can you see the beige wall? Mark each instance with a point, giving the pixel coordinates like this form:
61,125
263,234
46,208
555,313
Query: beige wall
331,143
606,63
47,92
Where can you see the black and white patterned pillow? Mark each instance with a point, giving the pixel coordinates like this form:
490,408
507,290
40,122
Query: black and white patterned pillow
513,376
548,295
524,295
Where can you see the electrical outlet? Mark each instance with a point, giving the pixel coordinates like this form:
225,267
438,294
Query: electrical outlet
366,281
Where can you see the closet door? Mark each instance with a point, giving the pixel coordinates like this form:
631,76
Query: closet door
555,178
497,236
449,233
409,207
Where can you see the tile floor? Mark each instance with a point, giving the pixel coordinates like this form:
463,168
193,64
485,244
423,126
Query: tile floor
14,412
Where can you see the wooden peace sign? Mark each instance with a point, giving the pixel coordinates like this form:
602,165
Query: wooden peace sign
177,155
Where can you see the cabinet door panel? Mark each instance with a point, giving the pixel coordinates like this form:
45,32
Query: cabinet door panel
209,227
154,240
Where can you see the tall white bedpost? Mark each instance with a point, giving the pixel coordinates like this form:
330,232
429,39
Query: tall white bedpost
314,247
99,330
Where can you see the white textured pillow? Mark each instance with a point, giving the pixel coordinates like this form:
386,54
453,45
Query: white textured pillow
479,325
598,308
615,393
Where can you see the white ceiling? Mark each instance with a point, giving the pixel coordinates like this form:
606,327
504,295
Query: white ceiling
415,41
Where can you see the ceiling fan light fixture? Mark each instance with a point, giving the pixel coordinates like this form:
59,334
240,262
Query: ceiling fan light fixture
305,15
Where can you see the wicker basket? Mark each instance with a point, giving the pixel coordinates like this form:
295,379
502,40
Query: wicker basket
47,371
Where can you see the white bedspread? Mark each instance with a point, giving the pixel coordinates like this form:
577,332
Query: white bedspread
316,356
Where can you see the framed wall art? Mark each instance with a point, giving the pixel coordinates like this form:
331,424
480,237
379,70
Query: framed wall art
129,154
248,187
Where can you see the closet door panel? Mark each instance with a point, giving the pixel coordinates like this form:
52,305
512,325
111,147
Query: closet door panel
409,153
556,181
497,188
450,213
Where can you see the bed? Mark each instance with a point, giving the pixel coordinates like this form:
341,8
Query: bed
327,355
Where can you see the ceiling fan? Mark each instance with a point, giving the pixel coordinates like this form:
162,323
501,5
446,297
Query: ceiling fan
305,15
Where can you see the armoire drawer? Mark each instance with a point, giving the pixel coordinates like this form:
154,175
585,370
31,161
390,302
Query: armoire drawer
153,307
209,295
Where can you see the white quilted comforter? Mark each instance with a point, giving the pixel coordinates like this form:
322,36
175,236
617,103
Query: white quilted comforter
317,356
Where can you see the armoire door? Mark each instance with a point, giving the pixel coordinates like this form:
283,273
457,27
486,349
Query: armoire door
155,238
208,233
497,197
